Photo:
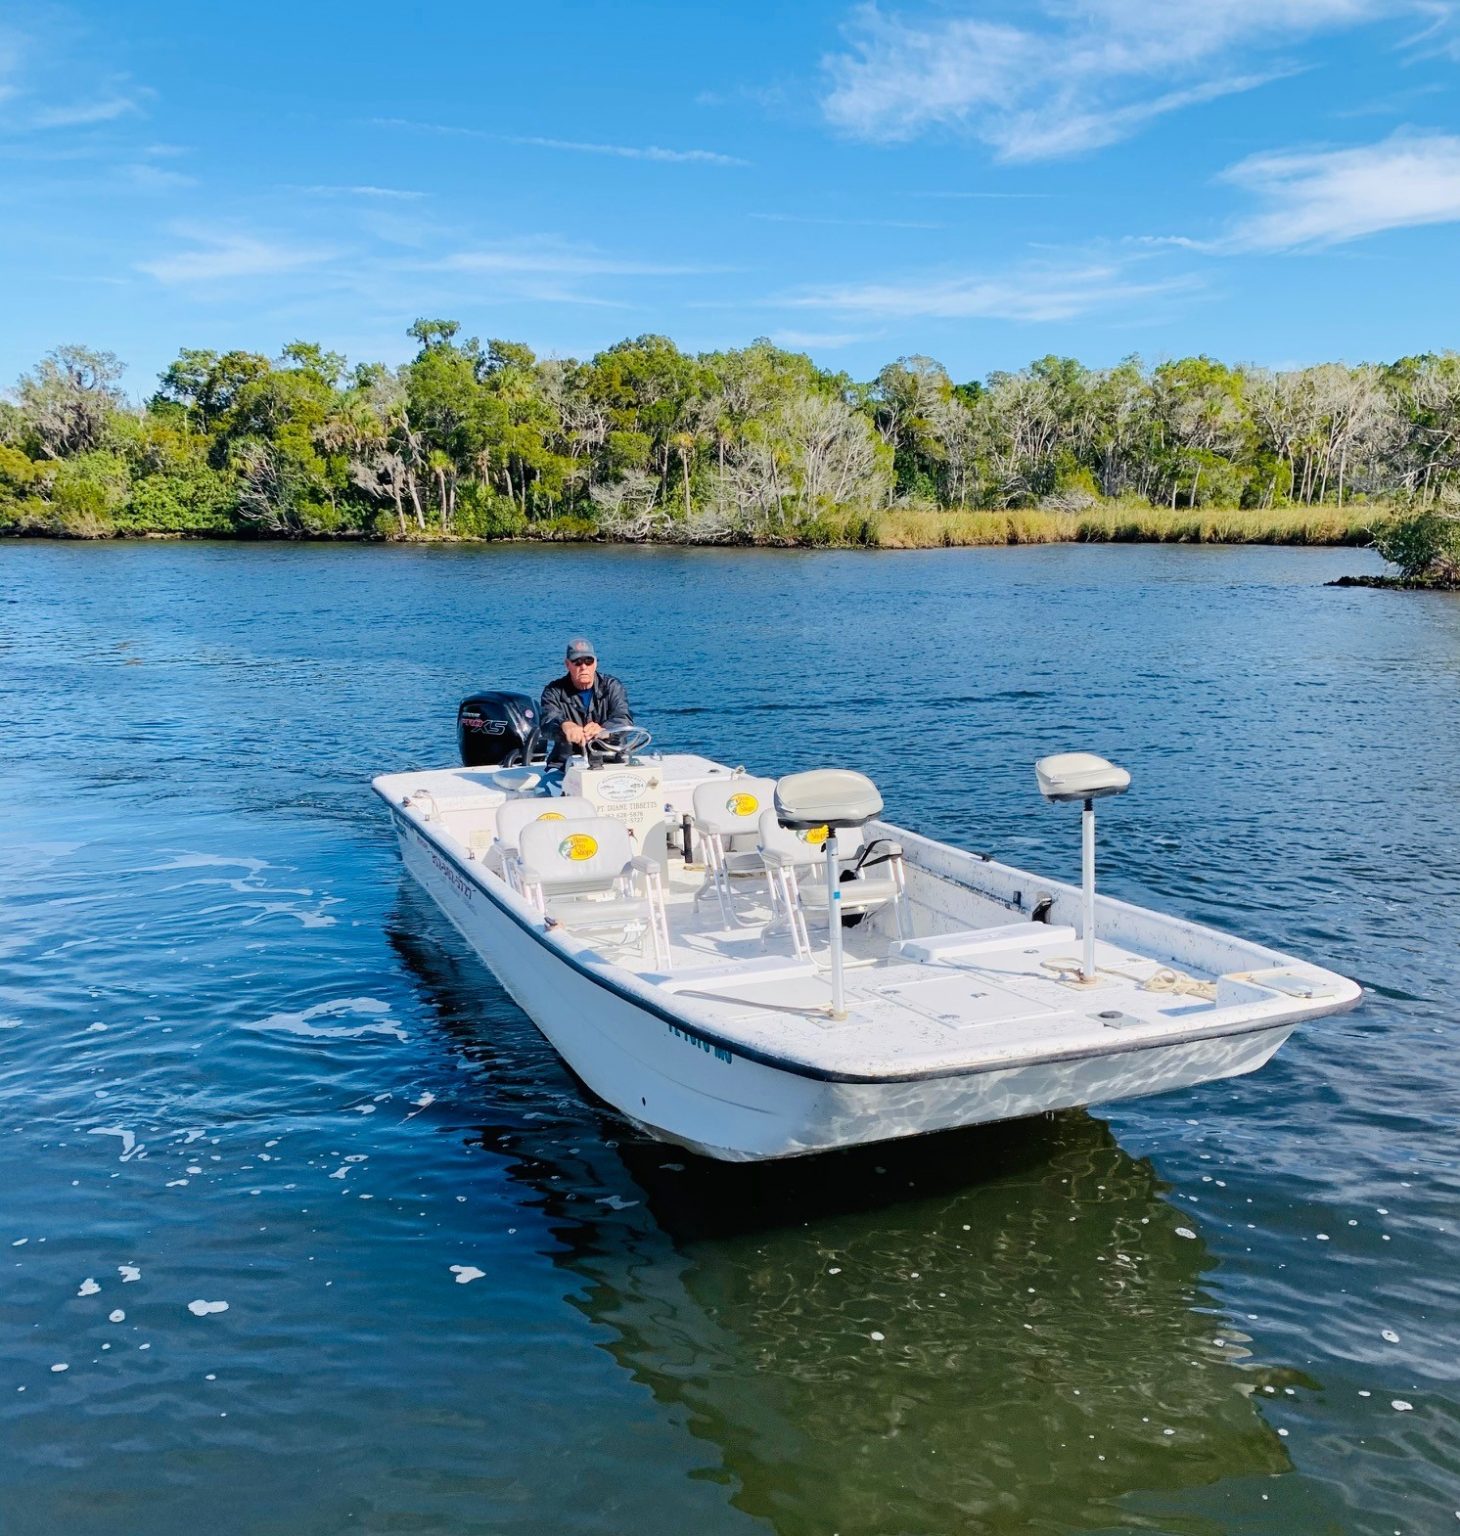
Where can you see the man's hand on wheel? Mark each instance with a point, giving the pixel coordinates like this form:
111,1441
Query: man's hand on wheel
573,733
592,729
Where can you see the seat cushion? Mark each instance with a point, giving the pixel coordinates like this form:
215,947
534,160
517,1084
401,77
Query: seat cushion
857,895
584,912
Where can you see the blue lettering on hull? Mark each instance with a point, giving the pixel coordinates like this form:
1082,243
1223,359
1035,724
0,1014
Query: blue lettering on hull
717,1051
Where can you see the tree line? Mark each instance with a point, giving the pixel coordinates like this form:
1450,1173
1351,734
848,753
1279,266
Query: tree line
645,441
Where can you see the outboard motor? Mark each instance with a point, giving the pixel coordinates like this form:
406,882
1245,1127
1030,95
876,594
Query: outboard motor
493,729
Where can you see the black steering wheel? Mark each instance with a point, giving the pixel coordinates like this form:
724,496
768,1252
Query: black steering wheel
616,742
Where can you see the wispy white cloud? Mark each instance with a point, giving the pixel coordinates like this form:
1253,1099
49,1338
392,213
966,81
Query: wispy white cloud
632,151
449,130
574,146
217,255
1395,104
1071,78
379,194
821,341
539,257
1028,293
143,177
87,114
1326,197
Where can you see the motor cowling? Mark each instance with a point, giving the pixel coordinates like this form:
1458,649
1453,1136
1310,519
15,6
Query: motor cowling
493,729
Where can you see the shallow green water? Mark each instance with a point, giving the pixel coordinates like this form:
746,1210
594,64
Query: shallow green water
243,1062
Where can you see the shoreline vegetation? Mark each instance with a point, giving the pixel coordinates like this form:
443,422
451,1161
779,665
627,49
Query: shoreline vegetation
752,446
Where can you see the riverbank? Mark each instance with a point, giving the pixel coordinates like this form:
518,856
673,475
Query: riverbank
843,528
1399,583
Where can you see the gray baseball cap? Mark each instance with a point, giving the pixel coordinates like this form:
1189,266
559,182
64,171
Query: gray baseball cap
580,649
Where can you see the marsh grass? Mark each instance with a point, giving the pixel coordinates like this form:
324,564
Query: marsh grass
1116,523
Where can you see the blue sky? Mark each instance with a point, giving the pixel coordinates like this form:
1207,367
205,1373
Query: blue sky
1275,181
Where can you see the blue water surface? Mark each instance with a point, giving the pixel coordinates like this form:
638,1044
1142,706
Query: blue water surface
304,1229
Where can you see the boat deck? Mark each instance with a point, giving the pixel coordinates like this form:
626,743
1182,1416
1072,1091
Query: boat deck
1013,998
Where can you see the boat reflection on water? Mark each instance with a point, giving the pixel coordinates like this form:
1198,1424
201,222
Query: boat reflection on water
997,1329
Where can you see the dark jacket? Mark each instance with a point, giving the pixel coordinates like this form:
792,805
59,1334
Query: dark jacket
560,702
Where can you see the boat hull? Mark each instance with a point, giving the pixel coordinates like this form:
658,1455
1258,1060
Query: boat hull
692,1090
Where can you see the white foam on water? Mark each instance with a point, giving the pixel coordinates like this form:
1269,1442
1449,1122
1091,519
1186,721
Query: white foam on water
204,1308
287,909
466,1273
130,1144
189,1137
95,1029
616,1203
117,1316
301,1023
1389,1336
1400,1406
89,1287
9,1021
425,1101
176,1183
129,1272
207,861
60,1367
878,1337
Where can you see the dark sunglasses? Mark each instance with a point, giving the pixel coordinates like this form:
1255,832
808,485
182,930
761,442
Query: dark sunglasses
582,661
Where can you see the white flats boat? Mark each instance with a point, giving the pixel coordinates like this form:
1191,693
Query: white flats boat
756,968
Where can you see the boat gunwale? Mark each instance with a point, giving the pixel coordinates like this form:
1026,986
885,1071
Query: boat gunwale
689,1020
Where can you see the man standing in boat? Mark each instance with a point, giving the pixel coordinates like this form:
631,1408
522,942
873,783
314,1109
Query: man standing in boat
583,703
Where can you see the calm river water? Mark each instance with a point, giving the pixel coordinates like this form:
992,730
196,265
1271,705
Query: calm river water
263,1116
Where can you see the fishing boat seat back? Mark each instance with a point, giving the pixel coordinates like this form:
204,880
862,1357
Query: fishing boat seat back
731,808
727,816
584,874
581,854
804,848
795,865
514,815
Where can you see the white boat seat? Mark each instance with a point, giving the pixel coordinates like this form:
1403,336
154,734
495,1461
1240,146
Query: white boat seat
966,942
857,895
514,815
805,849
727,816
585,911
583,874
795,863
